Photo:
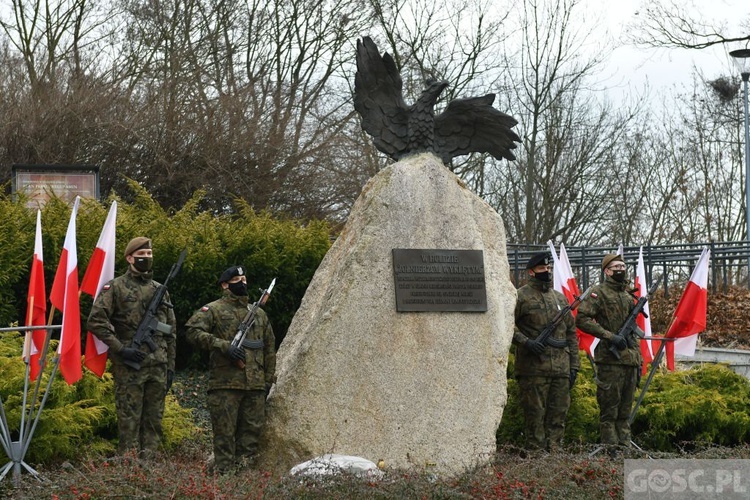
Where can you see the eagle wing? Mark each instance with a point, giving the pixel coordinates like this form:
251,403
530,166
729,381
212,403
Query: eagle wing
378,99
474,125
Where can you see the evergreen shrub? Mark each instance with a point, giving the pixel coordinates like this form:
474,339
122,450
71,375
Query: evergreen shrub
76,420
706,405
288,250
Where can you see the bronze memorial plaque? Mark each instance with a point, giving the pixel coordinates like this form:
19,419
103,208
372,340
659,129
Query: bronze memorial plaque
439,280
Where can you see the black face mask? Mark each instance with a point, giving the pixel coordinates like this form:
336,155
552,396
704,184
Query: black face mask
143,264
619,276
545,277
238,288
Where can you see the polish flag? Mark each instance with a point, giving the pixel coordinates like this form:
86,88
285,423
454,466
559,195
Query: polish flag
567,273
565,283
643,320
689,318
36,310
100,270
558,277
64,296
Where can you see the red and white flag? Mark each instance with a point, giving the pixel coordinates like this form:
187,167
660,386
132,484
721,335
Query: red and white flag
64,296
643,320
557,274
36,301
567,273
100,270
565,283
689,318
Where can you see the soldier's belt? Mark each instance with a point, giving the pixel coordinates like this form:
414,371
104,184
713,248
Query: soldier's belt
252,344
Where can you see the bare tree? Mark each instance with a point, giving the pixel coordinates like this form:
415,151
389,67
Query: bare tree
561,186
669,23
53,99
681,172
54,35
247,95
703,137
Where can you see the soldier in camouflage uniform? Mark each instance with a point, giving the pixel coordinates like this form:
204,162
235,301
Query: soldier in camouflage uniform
545,373
602,315
114,319
239,377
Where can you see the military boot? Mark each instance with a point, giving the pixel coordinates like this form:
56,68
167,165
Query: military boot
623,433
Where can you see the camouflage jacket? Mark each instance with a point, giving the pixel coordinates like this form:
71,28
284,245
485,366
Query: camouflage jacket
213,327
119,309
602,315
536,306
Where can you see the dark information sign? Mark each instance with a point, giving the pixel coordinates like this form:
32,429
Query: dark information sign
439,280
41,182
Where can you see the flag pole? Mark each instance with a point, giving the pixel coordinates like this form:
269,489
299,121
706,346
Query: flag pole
27,361
654,365
663,340
25,401
55,363
42,363
27,442
4,429
16,450
8,444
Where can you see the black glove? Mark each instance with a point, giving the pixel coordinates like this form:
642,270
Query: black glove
236,353
131,354
535,346
638,377
170,379
619,342
573,377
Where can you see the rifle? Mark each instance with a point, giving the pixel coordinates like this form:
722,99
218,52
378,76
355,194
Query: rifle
544,337
149,324
247,323
630,328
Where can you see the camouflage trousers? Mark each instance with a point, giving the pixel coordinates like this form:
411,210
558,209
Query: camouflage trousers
545,402
237,418
616,402
139,400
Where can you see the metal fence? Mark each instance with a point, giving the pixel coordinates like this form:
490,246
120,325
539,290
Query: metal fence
728,266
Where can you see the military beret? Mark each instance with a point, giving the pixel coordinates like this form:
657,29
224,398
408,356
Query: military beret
538,259
230,273
607,260
137,243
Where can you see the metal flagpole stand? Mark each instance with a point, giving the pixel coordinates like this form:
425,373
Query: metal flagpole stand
16,450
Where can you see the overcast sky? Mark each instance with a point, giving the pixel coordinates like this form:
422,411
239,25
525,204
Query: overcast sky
633,68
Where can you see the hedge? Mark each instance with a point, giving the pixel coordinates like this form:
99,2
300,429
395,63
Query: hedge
707,405
268,247
76,419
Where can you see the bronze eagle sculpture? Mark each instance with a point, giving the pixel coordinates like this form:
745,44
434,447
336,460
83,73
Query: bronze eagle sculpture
465,126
